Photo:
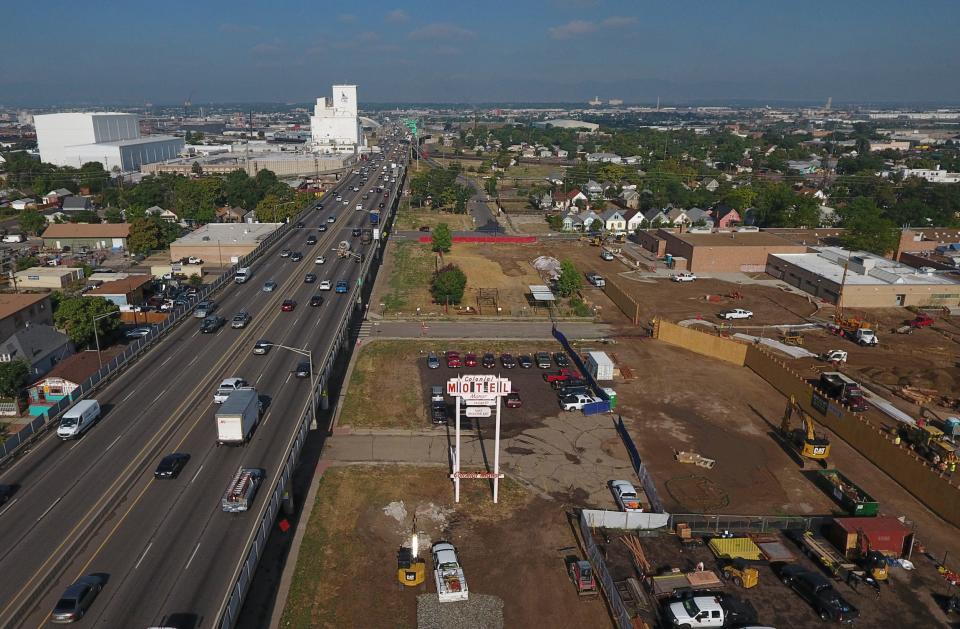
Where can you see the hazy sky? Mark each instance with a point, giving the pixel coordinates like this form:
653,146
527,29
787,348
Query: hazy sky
97,51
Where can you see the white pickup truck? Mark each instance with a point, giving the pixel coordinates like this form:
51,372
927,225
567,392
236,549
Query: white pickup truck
451,584
735,313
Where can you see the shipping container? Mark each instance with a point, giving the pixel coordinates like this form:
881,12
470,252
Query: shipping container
885,534
600,366
848,495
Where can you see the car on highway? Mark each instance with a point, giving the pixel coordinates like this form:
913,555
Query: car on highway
524,361
355,232
240,320
324,285
311,240
341,286
269,286
6,492
489,361
508,361
561,359
316,300
300,225
513,399
339,198
470,360
322,228
171,465
345,202
211,324
302,370
204,309
685,276
433,362
319,206
77,599
288,305
543,360
332,218
735,313
228,386
816,590
262,346
309,278
626,495
296,256
576,402
320,260
453,360
284,253
138,333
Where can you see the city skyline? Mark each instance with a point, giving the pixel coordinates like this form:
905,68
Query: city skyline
549,51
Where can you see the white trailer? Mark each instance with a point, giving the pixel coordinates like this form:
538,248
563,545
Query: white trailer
600,366
447,573
237,417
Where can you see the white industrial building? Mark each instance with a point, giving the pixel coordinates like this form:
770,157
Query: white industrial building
334,125
113,139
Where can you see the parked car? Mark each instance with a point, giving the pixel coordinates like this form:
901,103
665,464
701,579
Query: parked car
288,305
513,399
735,313
560,375
453,360
569,383
211,324
316,300
576,402
309,278
170,465
524,361
625,495
433,362
489,361
269,286
262,346
561,359
508,361
240,320
77,599
138,333
194,260
470,360
606,255
543,360
685,276
817,591
303,369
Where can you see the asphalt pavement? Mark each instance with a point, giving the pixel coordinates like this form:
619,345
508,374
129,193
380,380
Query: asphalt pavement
92,505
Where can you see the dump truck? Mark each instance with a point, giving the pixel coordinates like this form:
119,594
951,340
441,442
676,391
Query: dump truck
843,389
237,417
848,495
448,574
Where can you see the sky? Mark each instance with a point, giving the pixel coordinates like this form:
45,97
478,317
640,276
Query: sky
480,52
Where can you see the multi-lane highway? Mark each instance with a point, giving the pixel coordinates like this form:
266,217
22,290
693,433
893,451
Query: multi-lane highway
165,546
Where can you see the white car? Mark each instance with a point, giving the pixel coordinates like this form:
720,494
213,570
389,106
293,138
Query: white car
684,277
138,333
320,260
626,495
606,255
193,260
228,386
735,313
576,402
324,285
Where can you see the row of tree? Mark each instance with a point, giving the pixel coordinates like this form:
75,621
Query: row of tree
439,187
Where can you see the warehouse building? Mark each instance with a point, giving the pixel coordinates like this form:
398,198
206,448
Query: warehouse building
868,281
47,277
718,252
123,292
221,244
282,164
113,139
76,236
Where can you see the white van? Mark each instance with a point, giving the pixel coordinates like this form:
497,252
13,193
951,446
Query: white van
78,419
13,238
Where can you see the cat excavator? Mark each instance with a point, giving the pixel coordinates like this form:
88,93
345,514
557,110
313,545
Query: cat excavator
804,440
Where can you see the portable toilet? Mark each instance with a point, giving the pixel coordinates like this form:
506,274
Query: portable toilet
612,395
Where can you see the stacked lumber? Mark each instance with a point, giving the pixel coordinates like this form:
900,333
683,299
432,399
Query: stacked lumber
632,542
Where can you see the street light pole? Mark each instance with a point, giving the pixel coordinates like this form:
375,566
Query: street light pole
313,387
96,337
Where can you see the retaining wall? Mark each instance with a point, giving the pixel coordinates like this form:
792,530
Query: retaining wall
700,342
627,304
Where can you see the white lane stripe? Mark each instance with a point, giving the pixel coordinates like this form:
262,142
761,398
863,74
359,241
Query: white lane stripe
195,476
192,555
9,504
318,322
146,550
159,395
258,378
50,508
113,443
288,378
169,358
127,396
194,360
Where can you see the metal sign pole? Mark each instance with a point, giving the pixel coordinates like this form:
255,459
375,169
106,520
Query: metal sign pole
456,454
496,455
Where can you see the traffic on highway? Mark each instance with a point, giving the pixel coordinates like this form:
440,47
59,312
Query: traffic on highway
146,507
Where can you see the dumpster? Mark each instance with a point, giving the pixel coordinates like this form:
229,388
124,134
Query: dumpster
848,495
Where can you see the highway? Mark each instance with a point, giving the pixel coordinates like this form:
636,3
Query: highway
93,506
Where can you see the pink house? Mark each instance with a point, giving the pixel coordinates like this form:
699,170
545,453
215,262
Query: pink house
725,216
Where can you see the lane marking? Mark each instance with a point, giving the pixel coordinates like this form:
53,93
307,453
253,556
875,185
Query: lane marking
195,476
258,378
192,555
288,378
9,504
113,443
127,397
145,551
55,503
194,360
159,395
169,358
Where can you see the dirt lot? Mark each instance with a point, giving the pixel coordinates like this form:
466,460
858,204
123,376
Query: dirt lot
346,576
413,218
777,605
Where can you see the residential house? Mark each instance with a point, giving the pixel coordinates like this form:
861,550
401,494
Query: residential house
555,179
631,160
566,200
572,222
66,377
528,152
24,204
710,184
634,220
614,221
40,346
677,217
593,190
591,221
53,217
804,166
166,215
562,154
515,148
74,204
545,201
93,236
609,189
698,216
227,214
604,158
725,216
54,196
630,198
655,218
544,153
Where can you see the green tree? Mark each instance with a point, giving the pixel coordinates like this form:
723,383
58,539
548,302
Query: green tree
85,216
145,235
442,239
196,169
448,285
32,222
569,281
113,215
867,228
75,314
13,376
195,280
27,262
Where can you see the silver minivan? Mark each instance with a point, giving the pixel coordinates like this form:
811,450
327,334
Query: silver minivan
78,419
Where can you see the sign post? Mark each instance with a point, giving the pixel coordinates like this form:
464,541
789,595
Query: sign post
479,392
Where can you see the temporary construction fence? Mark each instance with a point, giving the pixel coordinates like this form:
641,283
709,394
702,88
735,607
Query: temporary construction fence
649,487
618,295
632,520
594,408
716,524
621,616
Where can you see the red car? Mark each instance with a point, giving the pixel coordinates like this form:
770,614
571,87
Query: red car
288,305
513,399
453,360
470,360
923,320
560,376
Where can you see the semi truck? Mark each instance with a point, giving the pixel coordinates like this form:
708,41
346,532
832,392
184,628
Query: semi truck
448,574
237,417
843,389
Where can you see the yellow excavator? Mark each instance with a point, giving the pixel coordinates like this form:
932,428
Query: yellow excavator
411,568
804,440
872,561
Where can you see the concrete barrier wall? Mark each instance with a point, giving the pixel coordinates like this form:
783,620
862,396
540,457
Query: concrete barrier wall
627,304
899,462
700,342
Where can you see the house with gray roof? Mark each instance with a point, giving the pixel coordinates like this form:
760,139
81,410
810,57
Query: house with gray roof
696,215
604,158
630,198
614,221
593,190
572,222
655,218
545,201
591,221
76,204
677,217
40,346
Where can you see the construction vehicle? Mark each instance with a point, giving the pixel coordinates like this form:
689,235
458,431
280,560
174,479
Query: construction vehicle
931,443
581,573
872,561
804,440
741,574
843,389
411,569
448,574
343,249
792,337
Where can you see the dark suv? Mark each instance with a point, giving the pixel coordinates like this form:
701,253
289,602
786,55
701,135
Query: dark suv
816,590
543,360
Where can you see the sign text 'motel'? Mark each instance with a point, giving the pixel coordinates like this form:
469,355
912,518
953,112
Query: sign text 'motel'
478,386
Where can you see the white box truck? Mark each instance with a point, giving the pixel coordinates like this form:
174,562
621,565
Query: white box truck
243,274
78,419
448,574
600,366
237,417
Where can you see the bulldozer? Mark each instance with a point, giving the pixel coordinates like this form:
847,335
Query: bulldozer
411,569
741,574
804,440
792,337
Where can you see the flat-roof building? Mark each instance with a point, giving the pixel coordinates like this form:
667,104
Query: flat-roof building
48,277
869,281
90,235
721,252
221,244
